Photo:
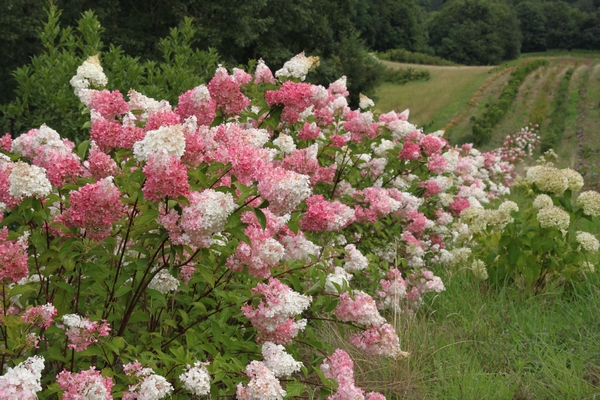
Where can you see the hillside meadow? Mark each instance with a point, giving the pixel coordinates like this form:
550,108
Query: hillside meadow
477,342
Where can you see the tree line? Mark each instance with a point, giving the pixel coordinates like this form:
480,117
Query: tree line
341,32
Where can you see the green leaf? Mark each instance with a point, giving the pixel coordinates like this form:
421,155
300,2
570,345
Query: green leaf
294,388
262,219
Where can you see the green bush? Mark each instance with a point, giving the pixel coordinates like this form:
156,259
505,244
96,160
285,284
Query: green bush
405,56
44,95
404,75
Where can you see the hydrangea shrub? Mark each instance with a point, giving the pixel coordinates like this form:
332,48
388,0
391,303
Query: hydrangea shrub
195,249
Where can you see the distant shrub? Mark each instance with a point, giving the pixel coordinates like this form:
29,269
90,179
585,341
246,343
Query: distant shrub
560,113
405,56
482,127
404,75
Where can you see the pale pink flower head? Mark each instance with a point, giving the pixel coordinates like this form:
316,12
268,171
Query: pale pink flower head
226,93
263,384
40,316
263,73
148,385
197,102
23,381
206,215
380,340
283,189
81,332
360,308
87,384
28,181
274,315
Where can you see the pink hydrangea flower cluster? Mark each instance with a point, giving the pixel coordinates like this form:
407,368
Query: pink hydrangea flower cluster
166,176
99,164
322,215
6,142
274,317
197,102
40,316
359,308
87,384
13,258
94,208
381,340
339,366
225,91
82,332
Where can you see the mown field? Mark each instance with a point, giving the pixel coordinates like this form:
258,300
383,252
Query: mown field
477,342
455,95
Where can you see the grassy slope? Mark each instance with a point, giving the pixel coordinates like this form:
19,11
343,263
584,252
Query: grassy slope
472,342
433,103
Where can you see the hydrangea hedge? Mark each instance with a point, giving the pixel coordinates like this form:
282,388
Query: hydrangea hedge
194,250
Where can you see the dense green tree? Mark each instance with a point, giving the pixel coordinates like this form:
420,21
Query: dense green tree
561,25
532,23
475,32
391,24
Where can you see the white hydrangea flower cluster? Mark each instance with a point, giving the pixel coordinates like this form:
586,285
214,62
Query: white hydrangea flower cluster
285,143
256,137
297,67
554,217
148,105
364,102
154,387
196,379
22,381
574,178
299,248
169,139
542,201
461,255
263,384
340,277
207,214
479,270
164,282
381,149
548,179
32,140
588,241
278,360
400,128
89,73
28,181
590,202
354,260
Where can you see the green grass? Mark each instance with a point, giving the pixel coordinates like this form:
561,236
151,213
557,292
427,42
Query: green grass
474,342
433,103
